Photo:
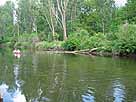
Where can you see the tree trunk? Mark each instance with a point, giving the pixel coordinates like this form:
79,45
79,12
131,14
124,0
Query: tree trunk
103,26
64,27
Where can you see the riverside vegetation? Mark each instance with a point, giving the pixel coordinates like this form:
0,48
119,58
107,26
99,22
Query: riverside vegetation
95,26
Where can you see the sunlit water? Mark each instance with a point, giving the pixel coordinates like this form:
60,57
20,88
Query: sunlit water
50,77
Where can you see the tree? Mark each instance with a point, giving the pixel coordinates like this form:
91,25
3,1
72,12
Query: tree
25,16
46,9
7,19
98,15
131,11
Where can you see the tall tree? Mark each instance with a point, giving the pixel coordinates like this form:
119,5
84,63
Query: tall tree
47,10
7,19
25,16
131,11
98,15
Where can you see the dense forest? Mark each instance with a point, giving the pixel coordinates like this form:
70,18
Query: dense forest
69,25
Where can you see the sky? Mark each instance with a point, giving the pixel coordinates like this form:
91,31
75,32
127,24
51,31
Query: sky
3,1
120,2
117,2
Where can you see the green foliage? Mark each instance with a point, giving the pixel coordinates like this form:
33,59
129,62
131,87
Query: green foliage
23,41
42,36
126,39
95,41
71,44
56,36
121,42
97,15
6,19
89,24
44,45
75,40
22,45
127,32
124,47
111,36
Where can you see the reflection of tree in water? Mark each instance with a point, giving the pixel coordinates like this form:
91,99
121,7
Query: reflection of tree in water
13,95
53,78
57,78
6,69
35,79
63,84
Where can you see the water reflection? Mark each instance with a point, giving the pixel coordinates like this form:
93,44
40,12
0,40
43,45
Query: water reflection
39,97
88,96
63,78
118,91
15,94
11,95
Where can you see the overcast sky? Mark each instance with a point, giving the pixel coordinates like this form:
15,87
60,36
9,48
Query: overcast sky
3,1
118,2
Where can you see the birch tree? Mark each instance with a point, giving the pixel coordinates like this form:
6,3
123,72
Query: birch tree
62,9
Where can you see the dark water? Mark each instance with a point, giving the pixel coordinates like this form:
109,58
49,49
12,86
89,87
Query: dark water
49,77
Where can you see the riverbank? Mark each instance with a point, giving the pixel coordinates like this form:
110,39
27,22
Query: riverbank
91,52
120,43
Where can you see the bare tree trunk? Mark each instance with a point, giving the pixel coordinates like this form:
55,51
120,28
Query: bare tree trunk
18,31
52,22
62,7
103,26
51,11
48,12
64,27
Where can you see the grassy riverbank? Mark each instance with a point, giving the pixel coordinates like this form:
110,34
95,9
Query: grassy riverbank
122,42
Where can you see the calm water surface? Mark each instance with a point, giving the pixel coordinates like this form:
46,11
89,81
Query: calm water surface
50,77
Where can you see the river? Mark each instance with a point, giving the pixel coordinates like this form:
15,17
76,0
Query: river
50,77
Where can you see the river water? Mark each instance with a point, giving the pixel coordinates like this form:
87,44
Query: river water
50,77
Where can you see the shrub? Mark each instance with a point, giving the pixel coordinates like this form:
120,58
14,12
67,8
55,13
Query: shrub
127,32
95,41
75,40
22,45
126,40
71,44
48,45
126,47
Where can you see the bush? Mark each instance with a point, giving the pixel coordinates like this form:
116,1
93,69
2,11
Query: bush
71,44
124,47
22,45
75,40
95,41
48,45
126,40
127,32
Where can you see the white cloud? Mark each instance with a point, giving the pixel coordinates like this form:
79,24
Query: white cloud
120,2
2,2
